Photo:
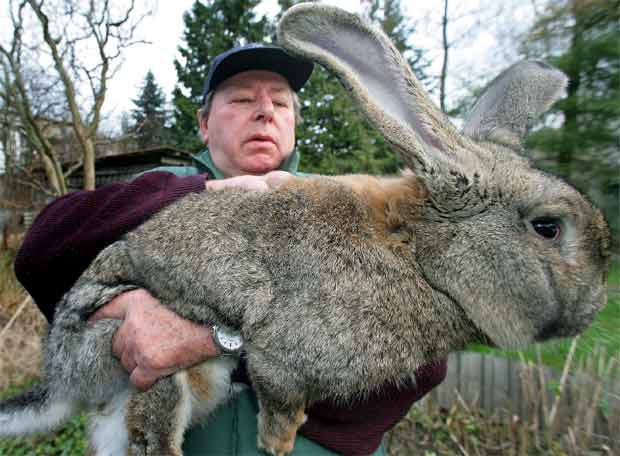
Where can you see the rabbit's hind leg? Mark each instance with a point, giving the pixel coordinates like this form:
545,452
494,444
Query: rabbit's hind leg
108,429
282,401
158,417
277,429
210,385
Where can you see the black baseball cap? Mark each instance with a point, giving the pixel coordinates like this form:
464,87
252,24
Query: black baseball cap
258,56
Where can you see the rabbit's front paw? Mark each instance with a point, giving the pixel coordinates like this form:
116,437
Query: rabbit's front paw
142,446
275,447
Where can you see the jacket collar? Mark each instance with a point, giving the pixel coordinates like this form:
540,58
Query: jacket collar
204,163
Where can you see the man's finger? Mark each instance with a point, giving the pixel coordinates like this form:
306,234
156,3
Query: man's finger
140,379
119,342
128,361
116,309
255,183
276,178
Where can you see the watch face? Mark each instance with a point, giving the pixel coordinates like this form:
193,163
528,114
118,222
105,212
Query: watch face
228,339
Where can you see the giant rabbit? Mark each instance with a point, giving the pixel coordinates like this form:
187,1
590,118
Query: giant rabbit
340,284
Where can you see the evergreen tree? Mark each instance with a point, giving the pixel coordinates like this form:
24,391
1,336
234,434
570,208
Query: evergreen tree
582,39
334,137
149,119
211,28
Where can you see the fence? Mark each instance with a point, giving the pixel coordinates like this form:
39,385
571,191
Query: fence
501,385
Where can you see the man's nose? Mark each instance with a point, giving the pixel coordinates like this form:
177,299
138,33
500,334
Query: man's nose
265,109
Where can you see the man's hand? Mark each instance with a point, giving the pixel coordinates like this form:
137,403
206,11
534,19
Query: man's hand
153,341
263,183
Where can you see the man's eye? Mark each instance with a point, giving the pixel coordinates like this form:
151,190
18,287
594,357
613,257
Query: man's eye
281,103
242,100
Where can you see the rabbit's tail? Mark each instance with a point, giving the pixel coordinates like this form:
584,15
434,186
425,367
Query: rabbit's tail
34,411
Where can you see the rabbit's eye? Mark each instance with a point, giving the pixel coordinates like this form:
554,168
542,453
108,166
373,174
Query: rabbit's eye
547,227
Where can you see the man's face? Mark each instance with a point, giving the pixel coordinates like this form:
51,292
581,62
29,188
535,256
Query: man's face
251,124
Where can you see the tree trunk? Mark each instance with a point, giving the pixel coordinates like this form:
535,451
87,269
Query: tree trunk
444,66
571,110
9,147
89,164
53,172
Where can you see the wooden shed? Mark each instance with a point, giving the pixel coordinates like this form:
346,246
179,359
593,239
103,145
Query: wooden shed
124,166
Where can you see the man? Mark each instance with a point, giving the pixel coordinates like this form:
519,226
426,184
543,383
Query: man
248,118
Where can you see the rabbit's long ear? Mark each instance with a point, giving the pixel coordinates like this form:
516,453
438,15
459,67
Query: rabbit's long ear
512,101
378,77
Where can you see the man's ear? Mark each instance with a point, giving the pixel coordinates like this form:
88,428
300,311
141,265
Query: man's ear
203,126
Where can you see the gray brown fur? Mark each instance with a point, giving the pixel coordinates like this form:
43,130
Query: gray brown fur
339,285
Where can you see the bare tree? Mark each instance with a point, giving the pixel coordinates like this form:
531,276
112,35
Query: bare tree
444,63
72,45
461,23
18,112
8,126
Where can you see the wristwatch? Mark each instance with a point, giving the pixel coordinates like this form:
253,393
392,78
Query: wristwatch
227,340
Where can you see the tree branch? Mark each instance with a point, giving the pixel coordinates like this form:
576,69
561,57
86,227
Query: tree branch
444,65
74,168
64,76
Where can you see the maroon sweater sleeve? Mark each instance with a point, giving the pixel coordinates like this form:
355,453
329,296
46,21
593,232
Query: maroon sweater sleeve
357,429
70,232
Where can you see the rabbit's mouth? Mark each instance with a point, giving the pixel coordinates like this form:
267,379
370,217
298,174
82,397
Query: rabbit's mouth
559,330
575,315
483,339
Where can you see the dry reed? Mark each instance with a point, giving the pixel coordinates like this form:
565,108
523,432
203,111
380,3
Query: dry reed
21,327
576,415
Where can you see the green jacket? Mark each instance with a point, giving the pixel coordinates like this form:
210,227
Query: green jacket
203,163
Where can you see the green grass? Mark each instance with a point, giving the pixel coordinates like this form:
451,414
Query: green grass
603,334
70,440
614,274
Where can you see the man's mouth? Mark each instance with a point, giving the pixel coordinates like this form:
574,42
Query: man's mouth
261,138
